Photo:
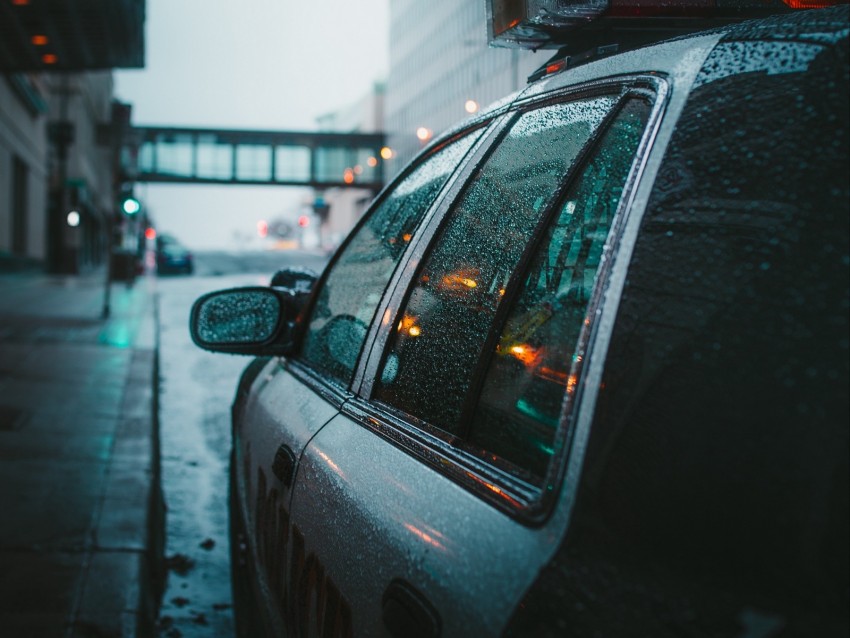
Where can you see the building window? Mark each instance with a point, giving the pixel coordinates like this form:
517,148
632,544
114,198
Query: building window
19,206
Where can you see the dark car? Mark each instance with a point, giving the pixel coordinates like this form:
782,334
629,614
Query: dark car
581,369
172,257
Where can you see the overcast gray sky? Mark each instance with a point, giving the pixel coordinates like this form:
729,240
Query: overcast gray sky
266,64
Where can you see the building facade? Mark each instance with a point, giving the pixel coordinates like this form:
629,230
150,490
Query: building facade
23,168
56,169
440,62
346,205
57,130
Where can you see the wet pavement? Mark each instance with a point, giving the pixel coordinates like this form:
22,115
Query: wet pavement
196,391
197,388
80,530
93,412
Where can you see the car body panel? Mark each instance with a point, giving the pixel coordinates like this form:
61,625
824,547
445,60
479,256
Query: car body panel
370,513
276,422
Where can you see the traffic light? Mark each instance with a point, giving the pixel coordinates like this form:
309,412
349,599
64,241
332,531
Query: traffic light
127,202
130,205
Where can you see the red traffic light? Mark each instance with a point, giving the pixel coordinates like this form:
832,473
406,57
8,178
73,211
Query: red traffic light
303,221
263,228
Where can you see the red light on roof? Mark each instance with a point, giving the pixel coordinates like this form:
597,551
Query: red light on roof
150,233
560,65
810,4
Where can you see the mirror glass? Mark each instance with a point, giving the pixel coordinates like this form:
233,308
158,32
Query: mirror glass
237,317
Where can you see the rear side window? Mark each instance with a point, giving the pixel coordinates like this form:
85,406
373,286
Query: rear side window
449,313
535,362
355,282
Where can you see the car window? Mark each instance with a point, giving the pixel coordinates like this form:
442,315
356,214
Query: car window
355,282
533,364
450,310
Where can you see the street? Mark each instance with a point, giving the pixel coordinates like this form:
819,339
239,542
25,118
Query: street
196,390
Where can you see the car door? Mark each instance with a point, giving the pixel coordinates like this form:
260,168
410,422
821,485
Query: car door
293,398
424,507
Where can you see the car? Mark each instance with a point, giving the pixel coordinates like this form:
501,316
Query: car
580,370
172,257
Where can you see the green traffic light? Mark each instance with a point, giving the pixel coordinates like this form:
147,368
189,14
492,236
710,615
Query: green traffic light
131,206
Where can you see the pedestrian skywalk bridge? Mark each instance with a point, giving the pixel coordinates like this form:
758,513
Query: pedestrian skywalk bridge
287,158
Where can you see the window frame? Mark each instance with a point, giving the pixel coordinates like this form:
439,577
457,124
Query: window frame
529,504
327,387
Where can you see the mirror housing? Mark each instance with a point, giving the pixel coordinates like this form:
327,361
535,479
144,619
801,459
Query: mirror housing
252,320
296,283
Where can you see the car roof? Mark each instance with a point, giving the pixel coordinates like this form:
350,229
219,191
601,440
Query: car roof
822,26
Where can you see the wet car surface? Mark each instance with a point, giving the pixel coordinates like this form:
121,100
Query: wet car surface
581,369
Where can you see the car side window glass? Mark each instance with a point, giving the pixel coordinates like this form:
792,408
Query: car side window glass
450,310
533,366
337,327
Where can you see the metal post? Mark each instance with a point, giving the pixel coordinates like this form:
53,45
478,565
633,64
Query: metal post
107,289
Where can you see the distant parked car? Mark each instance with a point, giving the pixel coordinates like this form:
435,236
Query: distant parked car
172,257
580,370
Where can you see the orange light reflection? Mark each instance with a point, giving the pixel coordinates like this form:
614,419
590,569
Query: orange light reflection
527,355
550,374
456,280
495,490
331,464
408,325
424,536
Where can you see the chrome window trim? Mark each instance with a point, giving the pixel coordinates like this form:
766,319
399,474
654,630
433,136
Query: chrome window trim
323,385
520,500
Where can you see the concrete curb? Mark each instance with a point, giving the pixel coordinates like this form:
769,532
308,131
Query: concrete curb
122,585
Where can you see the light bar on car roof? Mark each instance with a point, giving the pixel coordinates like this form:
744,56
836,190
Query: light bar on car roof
536,24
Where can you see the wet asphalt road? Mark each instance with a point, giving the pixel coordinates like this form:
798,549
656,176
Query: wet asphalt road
196,390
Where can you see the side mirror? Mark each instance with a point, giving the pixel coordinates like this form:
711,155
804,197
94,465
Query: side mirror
253,320
296,283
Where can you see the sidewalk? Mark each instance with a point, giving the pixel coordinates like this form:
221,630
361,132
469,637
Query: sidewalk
81,513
